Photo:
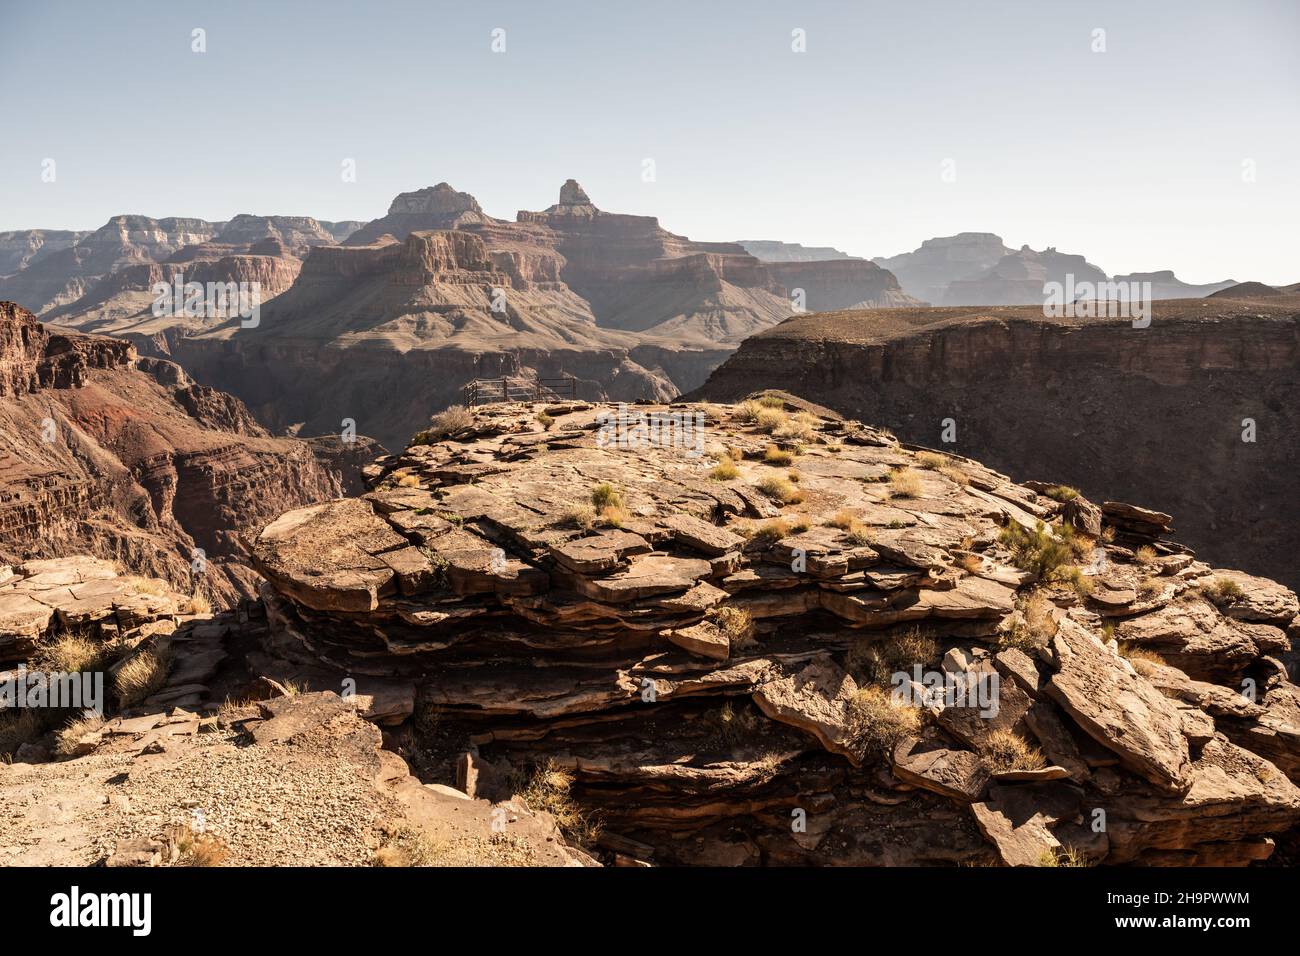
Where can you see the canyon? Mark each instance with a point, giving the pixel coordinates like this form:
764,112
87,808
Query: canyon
393,323
127,458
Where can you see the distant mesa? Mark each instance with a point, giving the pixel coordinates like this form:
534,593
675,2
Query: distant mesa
768,250
1247,290
976,268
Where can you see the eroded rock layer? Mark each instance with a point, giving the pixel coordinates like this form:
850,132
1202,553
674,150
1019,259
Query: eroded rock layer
721,646
128,458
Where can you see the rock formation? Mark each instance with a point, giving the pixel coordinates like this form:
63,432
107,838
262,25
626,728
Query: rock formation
130,459
1150,415
697,616
194,761
437,293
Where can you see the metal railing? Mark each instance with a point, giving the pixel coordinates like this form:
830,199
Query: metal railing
481,391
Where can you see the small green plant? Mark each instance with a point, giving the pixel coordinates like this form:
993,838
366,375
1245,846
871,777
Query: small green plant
605,495
1039,551
1062,493
1222,591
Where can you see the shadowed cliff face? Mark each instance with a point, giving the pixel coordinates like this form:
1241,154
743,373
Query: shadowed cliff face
128,458
1149,415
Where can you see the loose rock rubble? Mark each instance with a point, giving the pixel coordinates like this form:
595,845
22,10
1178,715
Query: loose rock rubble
706,639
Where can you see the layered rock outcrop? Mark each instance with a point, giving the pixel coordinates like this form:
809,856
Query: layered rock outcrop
130,459
1193,413
738,634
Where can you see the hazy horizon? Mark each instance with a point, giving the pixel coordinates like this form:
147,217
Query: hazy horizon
1132,157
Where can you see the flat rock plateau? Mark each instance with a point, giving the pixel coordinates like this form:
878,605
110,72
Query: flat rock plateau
672,634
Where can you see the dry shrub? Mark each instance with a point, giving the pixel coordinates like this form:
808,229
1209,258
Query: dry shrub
776,455
1005,750
543,419
801,426
1040,551
143,674
1145,555
970,563
1137,655
449,422
1062,493
605,495
855,532
198,604
725,470
579,516
70,654
931,460
406,847
770,419
770,531
409,480
876,662
733,726
782,490
1063,856
1034,624
549,789
879,722
150,586
771,401
735,623
905,483
747,411
65,741
614,516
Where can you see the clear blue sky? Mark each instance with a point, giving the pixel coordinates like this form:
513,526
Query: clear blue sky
1132,157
